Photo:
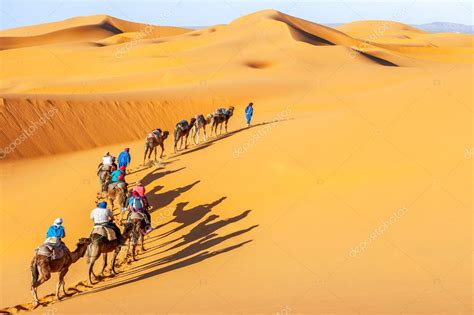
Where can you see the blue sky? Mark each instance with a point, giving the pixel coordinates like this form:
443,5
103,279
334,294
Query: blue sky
14,13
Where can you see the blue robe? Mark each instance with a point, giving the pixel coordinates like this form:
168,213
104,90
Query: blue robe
124,159
248,113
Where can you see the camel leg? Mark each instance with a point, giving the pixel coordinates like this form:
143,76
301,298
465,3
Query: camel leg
205,137
144,155
113,272
162,150
44,276
128,255
91,268
61,283
104,264
226,126
143,242
64,288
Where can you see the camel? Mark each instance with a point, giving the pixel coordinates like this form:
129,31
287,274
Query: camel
152,143
199,124
138,234
181,132
100,245
104,175
220,118
119,194
42,267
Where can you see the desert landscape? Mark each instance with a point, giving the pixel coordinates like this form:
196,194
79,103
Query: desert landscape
351,193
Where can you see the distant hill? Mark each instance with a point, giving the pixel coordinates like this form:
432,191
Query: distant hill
435,27
446,27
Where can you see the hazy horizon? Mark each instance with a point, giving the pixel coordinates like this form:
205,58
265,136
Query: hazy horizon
17,13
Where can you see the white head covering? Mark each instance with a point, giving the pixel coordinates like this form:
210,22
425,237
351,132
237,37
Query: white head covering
58,221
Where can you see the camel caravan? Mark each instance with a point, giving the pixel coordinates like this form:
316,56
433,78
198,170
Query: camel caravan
106,237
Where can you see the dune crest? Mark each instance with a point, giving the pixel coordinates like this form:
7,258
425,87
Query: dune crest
80,29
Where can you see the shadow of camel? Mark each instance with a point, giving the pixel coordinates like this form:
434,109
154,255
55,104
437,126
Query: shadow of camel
162,200
156,174
208,143
187,217
201,237
194,253
200,231
206,228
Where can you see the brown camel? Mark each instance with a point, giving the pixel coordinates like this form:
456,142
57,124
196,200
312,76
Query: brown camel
104,175
117,194
42,267
219,118
181,132
153,142
199,124
138,234
100,245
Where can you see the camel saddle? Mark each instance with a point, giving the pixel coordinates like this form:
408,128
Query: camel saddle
52,248
137,215
183,125
221,112
105,232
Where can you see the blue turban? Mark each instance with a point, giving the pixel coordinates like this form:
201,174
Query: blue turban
102,204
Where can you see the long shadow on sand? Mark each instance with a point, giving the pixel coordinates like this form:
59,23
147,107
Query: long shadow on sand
156,174
158,200
188,217
199,240
206,227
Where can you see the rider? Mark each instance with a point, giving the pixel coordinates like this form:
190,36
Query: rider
139,204
107,160
117,176
108,163
104,217
54,236
124,158
55,232
139,188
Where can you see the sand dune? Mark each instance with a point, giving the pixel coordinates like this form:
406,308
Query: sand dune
122,57
81,29
352,193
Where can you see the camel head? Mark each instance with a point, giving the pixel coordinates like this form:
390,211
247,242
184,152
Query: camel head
191,122
231,110
82,244
165,135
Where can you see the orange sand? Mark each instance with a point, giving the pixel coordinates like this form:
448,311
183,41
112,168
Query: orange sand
357,174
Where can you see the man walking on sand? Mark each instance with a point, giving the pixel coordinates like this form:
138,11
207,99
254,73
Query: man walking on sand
249,113
124,158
